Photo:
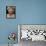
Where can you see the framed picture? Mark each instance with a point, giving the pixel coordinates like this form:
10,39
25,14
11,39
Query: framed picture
33,32
11,12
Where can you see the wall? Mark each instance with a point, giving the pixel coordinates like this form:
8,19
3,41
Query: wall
27,12
31,11
6,25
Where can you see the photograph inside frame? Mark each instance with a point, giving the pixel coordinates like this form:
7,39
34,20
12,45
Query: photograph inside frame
11,12
32,32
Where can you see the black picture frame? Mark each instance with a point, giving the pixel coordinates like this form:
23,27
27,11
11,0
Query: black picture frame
14,7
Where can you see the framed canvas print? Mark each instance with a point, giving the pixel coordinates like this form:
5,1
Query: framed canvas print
32,32
11,12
